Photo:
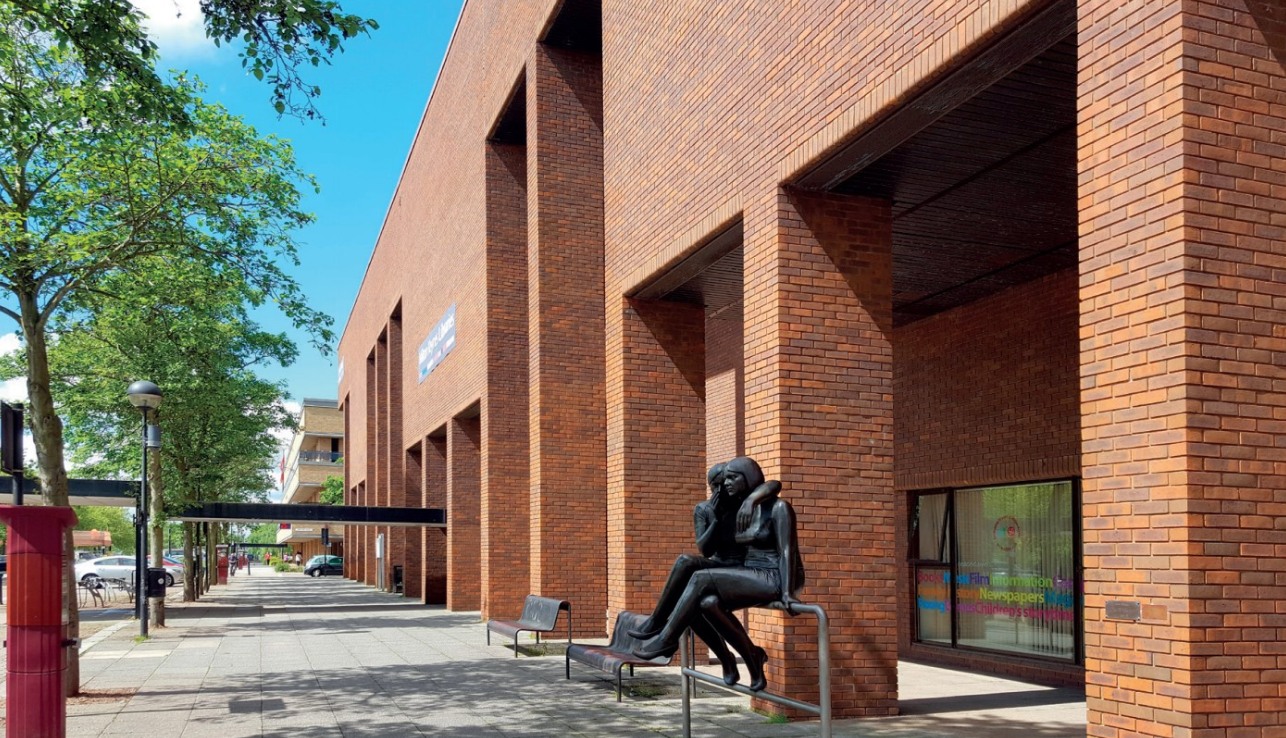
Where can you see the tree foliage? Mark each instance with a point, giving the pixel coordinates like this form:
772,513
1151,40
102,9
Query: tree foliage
101,204
88,206
332,490
111,519
278,39
263,533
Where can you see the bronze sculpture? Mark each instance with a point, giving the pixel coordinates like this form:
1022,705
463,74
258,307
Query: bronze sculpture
770,570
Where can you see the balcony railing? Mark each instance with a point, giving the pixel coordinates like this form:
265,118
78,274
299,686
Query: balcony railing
321,457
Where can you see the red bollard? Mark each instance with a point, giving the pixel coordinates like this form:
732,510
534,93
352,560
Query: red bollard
36,706
222,559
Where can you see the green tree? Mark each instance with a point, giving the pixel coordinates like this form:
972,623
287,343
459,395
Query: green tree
263,533
88,195
186,327
278,38
332,490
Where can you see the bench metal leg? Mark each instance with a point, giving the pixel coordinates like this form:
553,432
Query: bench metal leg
515,645
488,636
567,666
618,684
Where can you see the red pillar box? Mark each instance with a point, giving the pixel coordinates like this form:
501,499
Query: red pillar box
221,563
36,706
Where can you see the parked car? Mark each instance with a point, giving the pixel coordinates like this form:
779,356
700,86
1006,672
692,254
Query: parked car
321,565
122,567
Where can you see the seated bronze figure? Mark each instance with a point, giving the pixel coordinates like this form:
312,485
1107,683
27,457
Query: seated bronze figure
770,570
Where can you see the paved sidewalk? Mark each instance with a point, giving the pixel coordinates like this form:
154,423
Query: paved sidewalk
292,656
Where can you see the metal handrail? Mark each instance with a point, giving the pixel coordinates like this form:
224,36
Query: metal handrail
691,675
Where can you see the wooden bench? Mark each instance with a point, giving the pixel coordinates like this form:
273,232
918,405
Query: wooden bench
539,615
615,655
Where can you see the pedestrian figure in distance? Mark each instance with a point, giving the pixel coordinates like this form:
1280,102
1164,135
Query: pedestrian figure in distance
299,559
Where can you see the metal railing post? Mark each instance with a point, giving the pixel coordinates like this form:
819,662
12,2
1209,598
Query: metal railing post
688,671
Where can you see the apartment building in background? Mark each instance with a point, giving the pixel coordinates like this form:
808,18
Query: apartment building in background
315,453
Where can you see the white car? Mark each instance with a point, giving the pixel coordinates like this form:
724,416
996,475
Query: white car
122,567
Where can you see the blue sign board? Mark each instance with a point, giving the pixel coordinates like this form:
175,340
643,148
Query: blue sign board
439,343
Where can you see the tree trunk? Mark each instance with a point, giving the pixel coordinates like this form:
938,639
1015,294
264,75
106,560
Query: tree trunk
47,432
189,564
156,537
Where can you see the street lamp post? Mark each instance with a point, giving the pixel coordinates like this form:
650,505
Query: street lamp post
145,396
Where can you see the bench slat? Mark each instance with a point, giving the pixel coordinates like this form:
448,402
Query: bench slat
617,654
539,615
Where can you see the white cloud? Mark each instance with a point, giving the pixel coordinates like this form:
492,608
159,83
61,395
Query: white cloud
177,27
13,390
9,343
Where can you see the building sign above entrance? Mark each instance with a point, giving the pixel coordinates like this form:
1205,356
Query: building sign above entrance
439,343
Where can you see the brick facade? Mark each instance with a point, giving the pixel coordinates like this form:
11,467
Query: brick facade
568,431
505,502
463,480
656,432
1180,356
980,401
565,339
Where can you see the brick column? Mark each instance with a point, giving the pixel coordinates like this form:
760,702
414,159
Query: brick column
434,540
379,491
1181,169
565,268
656,446
819,413
370,492
505,499
395,491
463,482
413,476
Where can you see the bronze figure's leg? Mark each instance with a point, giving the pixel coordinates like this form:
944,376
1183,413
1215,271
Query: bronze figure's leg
710,634
733,587
731,629
684,567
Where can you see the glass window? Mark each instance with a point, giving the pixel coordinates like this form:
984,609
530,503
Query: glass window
995,569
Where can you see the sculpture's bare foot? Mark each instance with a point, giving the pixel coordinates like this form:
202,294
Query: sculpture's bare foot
755,665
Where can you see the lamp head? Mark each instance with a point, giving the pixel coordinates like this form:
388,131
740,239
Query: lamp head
144,394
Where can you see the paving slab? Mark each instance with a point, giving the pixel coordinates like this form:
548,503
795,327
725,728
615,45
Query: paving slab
291,656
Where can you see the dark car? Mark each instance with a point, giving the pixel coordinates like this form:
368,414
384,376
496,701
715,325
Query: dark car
322,565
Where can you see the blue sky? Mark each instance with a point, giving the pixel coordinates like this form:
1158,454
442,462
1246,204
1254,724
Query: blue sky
373,96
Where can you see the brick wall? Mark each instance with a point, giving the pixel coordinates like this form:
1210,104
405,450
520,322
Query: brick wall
413,476
395,536
819,376
463,480
434,540
986,393
566,339
1181,160
505,502
724,388
656,455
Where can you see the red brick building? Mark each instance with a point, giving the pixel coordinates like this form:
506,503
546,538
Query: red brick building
994,287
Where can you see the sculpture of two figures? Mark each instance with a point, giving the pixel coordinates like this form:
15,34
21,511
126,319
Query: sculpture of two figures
749,557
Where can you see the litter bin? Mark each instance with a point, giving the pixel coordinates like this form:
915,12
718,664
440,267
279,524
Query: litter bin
155,585
397,577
